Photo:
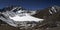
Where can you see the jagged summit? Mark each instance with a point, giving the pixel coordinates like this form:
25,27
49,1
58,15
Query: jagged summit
9,8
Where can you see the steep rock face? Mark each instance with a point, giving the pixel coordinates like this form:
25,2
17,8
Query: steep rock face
44,13
51,17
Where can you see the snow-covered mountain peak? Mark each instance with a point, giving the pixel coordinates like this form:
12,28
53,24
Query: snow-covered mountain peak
13,14
54,9
21,14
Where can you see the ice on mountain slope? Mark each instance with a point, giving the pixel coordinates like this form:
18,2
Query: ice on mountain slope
52,10
24,15
25,18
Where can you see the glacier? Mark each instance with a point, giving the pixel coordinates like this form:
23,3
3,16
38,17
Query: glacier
25,18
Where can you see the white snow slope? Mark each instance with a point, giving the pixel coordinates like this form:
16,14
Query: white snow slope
25,18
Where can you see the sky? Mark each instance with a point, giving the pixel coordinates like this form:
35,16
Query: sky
30,4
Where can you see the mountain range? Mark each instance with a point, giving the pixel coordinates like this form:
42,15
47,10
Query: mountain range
17,16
